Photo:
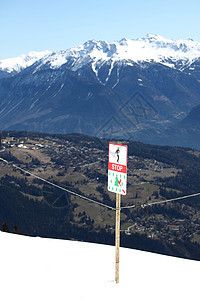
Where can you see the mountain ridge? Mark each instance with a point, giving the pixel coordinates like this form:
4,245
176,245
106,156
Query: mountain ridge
133,89
16,64
149,48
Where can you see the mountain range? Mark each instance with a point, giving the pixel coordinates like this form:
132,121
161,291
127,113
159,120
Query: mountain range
147,89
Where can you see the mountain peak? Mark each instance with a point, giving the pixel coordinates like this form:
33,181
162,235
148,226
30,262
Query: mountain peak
181,45
149,48
153,37
21,62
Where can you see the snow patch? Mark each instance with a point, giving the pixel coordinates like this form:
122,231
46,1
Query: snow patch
58,90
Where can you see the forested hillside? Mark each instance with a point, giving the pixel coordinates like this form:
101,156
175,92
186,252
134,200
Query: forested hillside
79,163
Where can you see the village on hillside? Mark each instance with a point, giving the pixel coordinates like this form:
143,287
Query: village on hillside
82,164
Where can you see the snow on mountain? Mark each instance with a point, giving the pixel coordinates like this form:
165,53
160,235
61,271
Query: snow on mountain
21,62
38,268
147,49
150,48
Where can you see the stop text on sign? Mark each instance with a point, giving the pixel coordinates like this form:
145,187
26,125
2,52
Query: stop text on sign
117,167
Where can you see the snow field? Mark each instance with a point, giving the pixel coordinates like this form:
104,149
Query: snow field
39,268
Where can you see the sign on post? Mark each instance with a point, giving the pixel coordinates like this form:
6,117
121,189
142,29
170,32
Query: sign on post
117,181
117,168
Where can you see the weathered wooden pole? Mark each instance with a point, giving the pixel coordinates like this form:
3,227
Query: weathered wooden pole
117,237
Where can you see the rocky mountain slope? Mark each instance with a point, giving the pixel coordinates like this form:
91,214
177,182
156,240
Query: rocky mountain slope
133,89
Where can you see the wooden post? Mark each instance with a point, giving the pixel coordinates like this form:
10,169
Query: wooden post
117,237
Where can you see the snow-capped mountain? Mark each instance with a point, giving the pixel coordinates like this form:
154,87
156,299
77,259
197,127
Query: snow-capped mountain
21,62
130,88
147,49
150,48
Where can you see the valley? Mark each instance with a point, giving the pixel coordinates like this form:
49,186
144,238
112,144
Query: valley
79,163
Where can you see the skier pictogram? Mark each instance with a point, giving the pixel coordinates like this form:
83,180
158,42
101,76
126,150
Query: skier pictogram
117,153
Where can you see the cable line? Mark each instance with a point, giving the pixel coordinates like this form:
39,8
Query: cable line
57,186
161,201
97,202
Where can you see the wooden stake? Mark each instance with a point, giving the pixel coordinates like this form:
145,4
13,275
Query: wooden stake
117,236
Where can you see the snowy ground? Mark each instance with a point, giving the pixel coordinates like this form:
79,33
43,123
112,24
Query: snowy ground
36,268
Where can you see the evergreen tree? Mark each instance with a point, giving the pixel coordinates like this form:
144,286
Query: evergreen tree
16,230
5,227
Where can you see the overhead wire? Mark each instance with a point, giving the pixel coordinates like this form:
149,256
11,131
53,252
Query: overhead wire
161,201
57,186
144,205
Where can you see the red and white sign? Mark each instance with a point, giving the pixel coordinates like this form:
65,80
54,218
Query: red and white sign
117,168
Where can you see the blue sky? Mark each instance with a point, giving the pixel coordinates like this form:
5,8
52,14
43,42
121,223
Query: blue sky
58,25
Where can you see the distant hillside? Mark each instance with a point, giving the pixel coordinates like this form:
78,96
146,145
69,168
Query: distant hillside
79,163
184,133
192,121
